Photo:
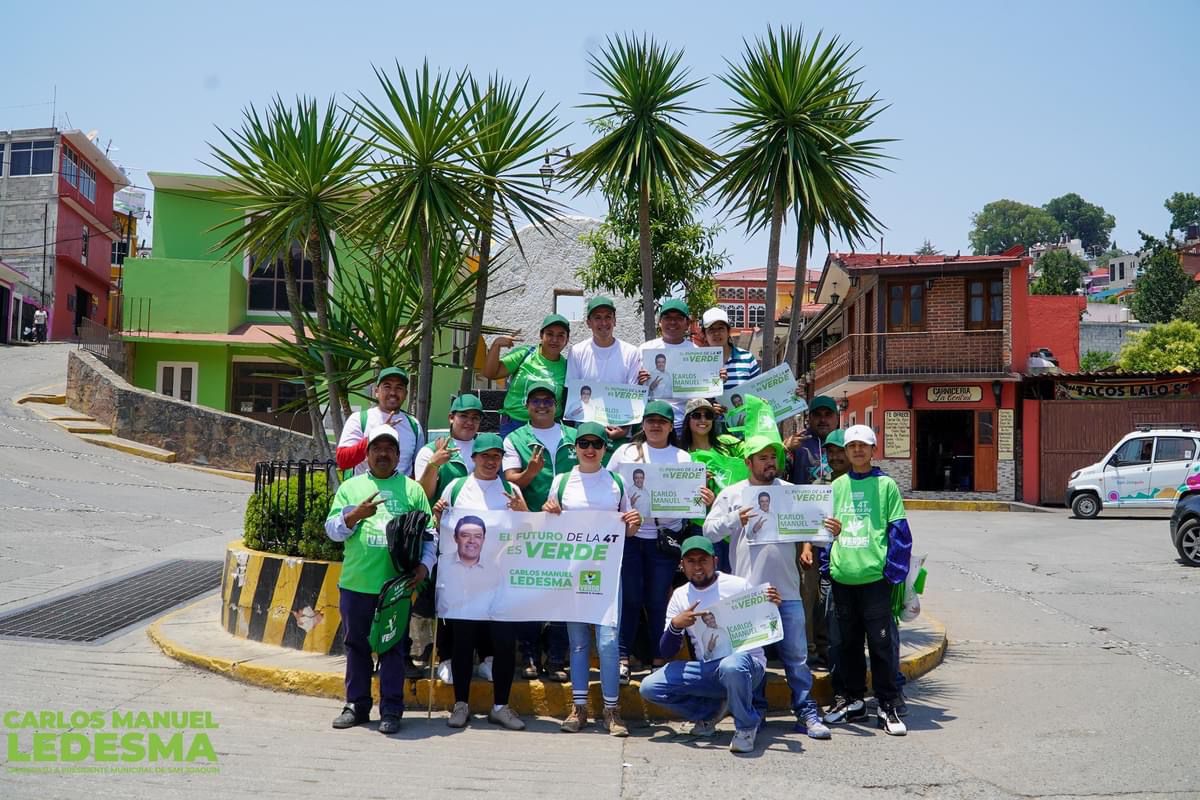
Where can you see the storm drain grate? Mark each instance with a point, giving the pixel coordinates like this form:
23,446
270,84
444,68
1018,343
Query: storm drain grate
93,614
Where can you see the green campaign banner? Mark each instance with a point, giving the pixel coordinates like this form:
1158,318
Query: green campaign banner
776,386
678,373
665,491
740,622
788,513
530,567
606,403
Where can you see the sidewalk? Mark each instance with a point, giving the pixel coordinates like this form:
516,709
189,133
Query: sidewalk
194,636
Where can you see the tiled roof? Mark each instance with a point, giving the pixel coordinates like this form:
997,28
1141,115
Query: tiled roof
853,261
786,274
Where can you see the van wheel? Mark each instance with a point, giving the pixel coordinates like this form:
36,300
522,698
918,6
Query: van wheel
1187,541
1085,505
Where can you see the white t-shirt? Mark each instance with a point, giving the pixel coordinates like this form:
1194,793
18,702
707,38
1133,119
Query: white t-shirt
404,425
664,393
617,363
466,592
39,318
464,452
710,643
590,491
632,453
480,495
550,438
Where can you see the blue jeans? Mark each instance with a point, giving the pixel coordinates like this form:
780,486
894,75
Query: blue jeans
358,610
580,635
694,689
645,582
793,652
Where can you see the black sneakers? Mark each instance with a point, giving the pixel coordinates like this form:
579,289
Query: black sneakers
389,724
349,718
890,721
845,709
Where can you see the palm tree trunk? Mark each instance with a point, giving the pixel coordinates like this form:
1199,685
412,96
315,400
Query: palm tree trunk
481,287
310,392
338,406
646,256
425,349
768,346
801,294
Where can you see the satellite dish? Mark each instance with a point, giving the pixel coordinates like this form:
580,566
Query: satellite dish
92,134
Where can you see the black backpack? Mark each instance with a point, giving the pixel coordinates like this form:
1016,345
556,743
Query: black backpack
406,537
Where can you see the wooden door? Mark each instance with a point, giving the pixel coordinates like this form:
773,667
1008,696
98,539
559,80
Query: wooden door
985,451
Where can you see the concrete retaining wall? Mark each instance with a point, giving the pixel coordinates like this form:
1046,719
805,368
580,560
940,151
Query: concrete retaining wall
195,434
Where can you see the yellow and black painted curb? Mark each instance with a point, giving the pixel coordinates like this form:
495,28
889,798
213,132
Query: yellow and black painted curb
527,697
281,600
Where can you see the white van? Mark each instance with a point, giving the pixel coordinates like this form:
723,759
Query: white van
1148,468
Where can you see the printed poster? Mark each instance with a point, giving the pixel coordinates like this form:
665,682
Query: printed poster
527,567
776,386
788,514
606,403
665,491
683,372
740,622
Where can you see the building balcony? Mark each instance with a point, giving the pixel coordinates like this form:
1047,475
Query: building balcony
890,356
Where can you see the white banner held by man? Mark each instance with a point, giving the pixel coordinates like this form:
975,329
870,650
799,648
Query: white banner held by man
740,622
776,386
606,403
683,373
530,567
665,491
788,513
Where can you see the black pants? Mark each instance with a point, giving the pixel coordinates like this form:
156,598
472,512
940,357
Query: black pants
866,612
503,638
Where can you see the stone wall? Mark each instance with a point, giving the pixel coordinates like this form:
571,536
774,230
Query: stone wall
196,434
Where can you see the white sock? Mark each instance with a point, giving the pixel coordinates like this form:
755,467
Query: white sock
496,708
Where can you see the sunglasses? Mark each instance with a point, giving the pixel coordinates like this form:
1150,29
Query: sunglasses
541,402
589,444
703,415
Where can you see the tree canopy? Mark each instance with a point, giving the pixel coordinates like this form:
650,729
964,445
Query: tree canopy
1003,223
1162,348
1163,283
1082,220
1060,272
1184,208
927,249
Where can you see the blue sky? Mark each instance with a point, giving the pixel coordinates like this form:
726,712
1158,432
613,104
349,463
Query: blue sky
1024,100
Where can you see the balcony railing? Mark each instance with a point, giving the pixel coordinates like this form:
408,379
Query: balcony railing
863,355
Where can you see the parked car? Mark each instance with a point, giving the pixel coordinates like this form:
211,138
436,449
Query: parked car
1185,528
1149,468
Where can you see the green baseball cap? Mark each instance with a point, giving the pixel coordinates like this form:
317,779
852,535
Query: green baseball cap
487,441
600,302
659,408
823,401
392,372
696,543
592,429
837,439
540,386
466,402
555,319
673,304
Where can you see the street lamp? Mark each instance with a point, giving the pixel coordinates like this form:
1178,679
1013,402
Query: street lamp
559,154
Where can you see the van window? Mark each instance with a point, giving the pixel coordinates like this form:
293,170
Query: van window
1174,448
1135,451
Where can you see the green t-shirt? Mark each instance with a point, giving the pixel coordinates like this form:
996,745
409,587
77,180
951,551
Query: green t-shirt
535,368
367,566
864,507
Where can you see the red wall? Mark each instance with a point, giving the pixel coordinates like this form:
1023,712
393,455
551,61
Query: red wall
1031,465
1053,324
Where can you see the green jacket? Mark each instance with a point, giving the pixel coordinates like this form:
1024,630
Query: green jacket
564,460
452,469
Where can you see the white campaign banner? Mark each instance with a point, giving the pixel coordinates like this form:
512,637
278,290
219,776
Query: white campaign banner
666,491
522,567
776,386
606,403
788,513
683,372
740,622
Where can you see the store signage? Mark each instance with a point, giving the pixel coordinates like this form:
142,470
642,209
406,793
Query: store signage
954,394
1005,435
897,432
1125,390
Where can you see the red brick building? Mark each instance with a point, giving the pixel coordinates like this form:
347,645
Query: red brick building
928,351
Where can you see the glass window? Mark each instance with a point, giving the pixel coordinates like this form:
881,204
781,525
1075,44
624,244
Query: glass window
737,314
1174,448
758,315
32,158
906,306
1135,451
985,303
268,287
263,388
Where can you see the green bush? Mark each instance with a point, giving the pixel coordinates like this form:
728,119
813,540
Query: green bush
272,514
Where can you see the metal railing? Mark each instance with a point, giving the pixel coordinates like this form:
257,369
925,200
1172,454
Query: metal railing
135,316
104,344
286,494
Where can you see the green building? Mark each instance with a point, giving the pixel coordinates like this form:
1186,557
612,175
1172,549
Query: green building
200,323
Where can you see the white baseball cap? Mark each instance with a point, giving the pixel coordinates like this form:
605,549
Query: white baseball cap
383,430
714,315
860,433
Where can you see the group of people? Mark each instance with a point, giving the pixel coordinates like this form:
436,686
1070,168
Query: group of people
830,600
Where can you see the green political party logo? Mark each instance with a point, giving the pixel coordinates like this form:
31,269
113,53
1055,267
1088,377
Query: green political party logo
589,581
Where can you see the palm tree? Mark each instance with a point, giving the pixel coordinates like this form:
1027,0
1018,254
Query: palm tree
507,139
293,175
798,118
641,151
424,190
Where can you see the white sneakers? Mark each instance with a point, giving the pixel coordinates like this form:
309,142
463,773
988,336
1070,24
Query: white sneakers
743,740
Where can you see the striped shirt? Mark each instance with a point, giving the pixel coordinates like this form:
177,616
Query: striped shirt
740,367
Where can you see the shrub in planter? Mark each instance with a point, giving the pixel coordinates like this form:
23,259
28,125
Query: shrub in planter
273,521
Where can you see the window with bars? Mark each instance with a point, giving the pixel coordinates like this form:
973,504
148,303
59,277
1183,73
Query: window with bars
737,314
758,315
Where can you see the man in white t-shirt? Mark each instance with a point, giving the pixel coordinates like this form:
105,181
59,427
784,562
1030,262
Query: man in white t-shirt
674,321
721,681
604,358
391,392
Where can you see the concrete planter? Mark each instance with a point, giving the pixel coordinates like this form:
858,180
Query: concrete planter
286,601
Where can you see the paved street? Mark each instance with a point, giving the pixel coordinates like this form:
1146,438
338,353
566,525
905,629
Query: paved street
1074,655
